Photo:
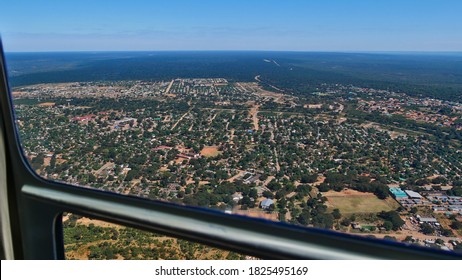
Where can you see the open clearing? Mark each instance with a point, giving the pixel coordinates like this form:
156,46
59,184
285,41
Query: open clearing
253,113
258,214
46,104
210,151
350,201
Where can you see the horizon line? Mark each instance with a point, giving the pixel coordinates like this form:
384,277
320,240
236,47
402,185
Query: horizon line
211,50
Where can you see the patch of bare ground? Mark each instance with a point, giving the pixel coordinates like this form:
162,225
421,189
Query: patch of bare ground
258,213
46,104
210,151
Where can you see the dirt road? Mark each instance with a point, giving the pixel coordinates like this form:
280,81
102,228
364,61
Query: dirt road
254,114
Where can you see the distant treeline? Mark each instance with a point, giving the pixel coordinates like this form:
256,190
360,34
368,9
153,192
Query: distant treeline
437,76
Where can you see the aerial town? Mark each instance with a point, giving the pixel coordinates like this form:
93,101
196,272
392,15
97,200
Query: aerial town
367,162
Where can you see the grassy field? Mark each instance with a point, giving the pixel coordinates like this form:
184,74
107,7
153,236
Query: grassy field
365,203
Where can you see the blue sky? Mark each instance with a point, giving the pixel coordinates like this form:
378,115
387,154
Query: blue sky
298,25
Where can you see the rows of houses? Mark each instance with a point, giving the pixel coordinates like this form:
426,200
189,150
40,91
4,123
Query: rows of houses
437,200
408,198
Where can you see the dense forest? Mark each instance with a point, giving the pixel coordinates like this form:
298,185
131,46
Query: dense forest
301,73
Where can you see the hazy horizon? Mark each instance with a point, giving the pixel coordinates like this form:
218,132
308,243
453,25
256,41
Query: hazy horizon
243,51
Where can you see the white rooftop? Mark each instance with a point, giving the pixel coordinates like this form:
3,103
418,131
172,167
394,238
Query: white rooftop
413,194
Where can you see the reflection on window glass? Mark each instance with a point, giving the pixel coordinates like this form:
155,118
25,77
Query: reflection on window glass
86,238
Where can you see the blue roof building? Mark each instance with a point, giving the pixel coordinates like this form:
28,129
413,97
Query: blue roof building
266,203
398,193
